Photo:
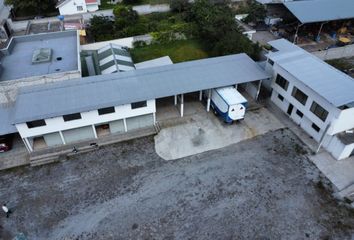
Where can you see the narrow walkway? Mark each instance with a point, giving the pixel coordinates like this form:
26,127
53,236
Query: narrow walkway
339,172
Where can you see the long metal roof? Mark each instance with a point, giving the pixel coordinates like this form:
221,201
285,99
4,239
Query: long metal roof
85,94
333,85
321,10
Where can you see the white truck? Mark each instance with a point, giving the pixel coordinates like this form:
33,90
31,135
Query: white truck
228,103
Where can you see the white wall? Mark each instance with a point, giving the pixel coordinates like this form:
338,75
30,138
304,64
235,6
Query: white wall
92,7
309,117
70,7
57,124
344,122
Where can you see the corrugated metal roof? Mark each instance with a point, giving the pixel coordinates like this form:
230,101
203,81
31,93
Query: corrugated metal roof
6,126
321,10
333,85
166,60
96,92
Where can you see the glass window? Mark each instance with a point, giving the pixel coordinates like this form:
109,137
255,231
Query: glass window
79,8
138,104
36,123
282,82
280,97
300,114
106,110
314,126
71,117
299,95
271,62
319,111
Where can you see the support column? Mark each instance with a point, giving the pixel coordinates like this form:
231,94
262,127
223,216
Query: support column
319,32
94,131
182,104
154,117
297,31
125,125
208,101
236,86
258,89
200,95
175,100
24,142
30,148
62,137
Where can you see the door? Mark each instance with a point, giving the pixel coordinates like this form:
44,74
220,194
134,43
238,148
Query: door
290,109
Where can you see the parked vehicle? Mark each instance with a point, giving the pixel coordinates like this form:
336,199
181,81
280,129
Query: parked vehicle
6,142
228,103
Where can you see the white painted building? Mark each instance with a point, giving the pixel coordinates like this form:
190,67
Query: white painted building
69,112
318,97
71,128
69,7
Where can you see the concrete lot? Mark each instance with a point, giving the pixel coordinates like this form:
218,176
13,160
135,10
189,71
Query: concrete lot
205,131
262,188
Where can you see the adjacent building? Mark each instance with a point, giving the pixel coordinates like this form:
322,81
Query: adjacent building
315,95
38,59
69,7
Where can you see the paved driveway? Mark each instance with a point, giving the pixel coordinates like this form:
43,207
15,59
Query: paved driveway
261,188
204,132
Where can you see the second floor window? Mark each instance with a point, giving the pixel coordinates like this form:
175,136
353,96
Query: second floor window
282,82
299,95
138,104
319,111
71,117
36,123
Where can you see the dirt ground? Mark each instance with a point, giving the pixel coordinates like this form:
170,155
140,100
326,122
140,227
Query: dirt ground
263,188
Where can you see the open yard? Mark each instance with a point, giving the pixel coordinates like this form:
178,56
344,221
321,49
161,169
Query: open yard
179,51
263,188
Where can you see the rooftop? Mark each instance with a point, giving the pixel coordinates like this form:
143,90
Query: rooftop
321,10
333,85
21,50
86,94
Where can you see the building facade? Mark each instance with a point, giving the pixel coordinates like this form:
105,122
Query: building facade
304,87
71,128
70,7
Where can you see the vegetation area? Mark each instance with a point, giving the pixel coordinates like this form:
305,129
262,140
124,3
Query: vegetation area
178,51
31,8
105,4
190,31
345,65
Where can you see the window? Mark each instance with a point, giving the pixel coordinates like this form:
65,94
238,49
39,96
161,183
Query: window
314,126
106,110
299,95
270,61
282,82
79,8
319,111
300,114
138,104
280,97
71,117
36,123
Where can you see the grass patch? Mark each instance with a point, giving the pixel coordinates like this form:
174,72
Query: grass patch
178,51
341,64
105,4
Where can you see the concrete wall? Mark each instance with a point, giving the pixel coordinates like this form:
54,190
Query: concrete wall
71,7
338,149
309,118
334,53
345,121
57,124
9,89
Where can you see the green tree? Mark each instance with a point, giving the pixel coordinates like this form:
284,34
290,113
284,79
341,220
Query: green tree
179,5
218,30
256,12
38,6
101,28
124,17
